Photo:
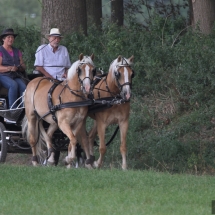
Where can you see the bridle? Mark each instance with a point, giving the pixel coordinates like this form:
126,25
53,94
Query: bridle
79,70
117,76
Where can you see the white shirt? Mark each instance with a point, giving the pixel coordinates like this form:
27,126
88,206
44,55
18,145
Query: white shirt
53,63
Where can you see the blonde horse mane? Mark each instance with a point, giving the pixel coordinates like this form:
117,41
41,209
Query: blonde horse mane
72,70
87,59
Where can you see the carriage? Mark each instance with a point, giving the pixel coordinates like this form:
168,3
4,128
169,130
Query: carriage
60,135
11,138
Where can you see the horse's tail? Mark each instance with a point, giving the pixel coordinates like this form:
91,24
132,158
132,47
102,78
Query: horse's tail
41,144
24,127
39,132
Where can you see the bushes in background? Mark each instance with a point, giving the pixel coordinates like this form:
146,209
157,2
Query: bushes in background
172,117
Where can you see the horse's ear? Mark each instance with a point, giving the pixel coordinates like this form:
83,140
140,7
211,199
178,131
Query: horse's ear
81,56
92,56
131,59
119,58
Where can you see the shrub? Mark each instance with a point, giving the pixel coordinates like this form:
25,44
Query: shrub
172,116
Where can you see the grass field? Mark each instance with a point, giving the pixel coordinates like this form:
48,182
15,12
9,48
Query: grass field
56,190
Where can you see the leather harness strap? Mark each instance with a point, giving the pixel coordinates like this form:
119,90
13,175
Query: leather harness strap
50,103
54,108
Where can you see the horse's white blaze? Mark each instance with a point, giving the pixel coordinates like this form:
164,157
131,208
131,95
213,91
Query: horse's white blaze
87,71
127,87
126,76
87,80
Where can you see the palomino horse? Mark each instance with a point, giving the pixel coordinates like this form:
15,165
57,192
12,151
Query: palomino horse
116,89
63,106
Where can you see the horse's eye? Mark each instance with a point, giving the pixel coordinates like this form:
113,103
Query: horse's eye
79,71
117,74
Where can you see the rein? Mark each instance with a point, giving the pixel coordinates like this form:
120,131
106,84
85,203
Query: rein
105,103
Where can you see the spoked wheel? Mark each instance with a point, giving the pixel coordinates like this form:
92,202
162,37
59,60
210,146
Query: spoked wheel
3,143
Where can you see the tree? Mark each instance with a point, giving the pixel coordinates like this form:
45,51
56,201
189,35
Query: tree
203,14
94,12
67,15
22,12
117,12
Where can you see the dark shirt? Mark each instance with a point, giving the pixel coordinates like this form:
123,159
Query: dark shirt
7,59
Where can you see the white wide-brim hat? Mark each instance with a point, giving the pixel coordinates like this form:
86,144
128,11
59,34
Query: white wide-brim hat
54,32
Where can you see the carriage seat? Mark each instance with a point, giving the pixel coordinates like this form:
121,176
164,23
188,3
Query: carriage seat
3,97
3,91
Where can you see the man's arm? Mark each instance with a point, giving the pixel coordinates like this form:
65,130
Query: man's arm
39,60
43,71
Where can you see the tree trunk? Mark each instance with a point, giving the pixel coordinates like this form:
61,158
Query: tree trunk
117,12
190,13
204,14
67,15
94,12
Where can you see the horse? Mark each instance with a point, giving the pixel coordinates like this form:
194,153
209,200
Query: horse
62,105
115,91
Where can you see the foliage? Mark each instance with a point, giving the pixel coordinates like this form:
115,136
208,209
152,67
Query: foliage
143,11
172,117
173,89
22,12
29,12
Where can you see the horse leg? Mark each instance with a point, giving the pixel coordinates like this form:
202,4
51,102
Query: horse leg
123,132
32,135
85,146
69,159
92,136
102,147
48,139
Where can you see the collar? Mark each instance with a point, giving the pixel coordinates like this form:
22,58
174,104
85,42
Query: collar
52,49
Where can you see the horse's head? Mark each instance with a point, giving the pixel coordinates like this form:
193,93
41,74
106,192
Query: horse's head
85,70
122,74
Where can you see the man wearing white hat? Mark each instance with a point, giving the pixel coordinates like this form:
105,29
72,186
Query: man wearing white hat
53,60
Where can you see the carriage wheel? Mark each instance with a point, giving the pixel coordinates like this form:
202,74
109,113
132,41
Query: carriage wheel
3,143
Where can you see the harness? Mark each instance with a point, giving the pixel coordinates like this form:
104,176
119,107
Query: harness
107,102
94,105
54,108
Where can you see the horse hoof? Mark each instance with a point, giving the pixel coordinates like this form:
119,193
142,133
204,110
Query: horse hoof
69,163
69,166
95,164
67,160
34,163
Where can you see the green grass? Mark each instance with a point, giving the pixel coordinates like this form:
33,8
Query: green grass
56,190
